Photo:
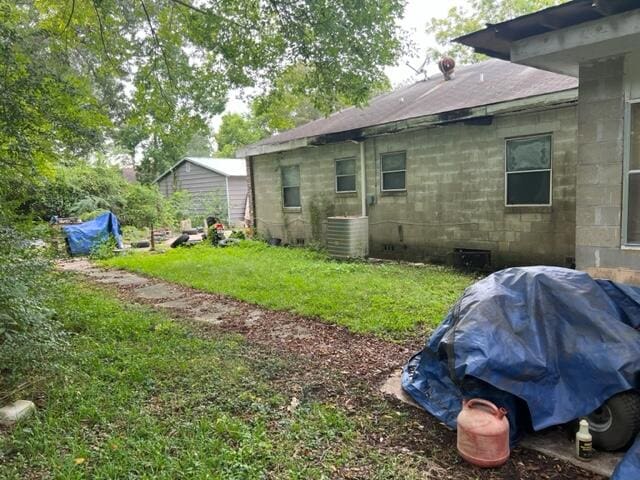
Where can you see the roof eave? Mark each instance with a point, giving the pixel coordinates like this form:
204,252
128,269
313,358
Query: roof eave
547,100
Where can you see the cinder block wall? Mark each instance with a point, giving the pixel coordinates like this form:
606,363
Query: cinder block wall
600,173
454,197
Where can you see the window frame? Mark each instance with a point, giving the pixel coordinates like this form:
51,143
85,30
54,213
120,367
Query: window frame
354,174
382,172
507,173
626,173
282,188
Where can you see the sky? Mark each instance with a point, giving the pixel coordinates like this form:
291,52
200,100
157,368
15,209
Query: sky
417,14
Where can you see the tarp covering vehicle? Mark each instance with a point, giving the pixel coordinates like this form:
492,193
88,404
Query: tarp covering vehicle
82,238
548,344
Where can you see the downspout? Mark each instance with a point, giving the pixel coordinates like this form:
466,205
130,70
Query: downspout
363,182
226,179
252,194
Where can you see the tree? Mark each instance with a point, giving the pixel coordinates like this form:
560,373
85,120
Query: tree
146,207
151,74
461,20
236,131
291,103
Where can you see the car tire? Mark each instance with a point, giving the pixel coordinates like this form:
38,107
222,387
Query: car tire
181,240
616,423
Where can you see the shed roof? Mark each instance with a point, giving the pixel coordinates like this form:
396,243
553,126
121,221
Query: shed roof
228,167
486,83
496,39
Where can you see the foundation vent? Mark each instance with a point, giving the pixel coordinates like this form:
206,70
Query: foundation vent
348,237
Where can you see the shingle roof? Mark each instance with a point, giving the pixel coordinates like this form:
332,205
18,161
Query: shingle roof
229,167
485,83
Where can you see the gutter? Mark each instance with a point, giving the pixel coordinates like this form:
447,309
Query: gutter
562,98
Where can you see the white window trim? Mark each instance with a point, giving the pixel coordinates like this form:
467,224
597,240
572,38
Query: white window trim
626,174
290,207
354,175
382,172
550,170
187,167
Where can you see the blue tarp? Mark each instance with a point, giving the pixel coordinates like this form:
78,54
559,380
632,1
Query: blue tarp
82,238
545,341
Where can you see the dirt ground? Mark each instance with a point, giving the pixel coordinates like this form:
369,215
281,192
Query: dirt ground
336,366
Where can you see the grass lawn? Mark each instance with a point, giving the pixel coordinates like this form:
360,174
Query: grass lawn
135,395
390,300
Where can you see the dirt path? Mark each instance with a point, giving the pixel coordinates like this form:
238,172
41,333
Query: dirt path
336,366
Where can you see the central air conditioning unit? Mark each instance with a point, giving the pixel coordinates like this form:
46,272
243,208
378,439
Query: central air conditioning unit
348,237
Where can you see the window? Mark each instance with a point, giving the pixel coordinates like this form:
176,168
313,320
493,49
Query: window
528,171
393,166
187,167
291,186
346,175
633,175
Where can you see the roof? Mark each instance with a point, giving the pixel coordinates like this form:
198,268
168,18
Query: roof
496,39
485,83
228,167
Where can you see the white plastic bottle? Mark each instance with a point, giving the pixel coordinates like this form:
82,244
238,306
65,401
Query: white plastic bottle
584,443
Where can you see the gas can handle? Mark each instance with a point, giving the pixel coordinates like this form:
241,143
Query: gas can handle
498,412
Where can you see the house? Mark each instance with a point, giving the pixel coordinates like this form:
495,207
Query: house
482,164
211,182
597,42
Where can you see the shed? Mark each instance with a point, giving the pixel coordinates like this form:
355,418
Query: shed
208,181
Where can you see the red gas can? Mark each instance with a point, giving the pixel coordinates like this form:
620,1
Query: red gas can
483,433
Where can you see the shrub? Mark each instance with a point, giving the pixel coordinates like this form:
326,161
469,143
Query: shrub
27,325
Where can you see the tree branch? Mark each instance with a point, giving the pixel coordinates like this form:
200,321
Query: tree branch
73,9
190,7
104,45
157,41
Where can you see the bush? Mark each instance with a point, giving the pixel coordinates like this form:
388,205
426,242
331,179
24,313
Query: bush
27,326
104,249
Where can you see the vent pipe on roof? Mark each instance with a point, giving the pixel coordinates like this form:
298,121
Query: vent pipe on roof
446,66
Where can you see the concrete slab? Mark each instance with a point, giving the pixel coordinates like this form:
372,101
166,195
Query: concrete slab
180,303
296,332
393,387
553,441
158,291
120,279
17,411
253,318
214,313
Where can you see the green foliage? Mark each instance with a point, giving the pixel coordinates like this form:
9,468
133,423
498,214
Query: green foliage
145,207
49,111
237,131
137,395
179,205
78,189
27,325
290,101
388,300
479,13
104,249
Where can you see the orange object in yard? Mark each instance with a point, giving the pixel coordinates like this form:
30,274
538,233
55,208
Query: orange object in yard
483,433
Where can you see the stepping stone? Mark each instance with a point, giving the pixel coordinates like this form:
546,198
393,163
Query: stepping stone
158,291
16,411
253,318
181,303
120,279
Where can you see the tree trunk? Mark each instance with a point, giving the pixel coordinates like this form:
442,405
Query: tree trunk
152,242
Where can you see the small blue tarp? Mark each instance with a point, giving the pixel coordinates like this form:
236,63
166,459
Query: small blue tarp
549,344
85,236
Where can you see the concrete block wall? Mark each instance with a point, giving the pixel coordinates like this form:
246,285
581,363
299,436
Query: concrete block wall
601,111
454,199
